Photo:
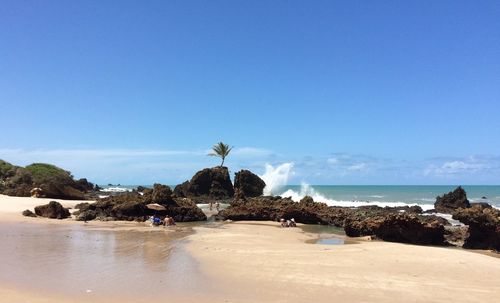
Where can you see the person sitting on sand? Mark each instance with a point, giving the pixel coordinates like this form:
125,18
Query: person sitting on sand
156,221
292,223
283,223
169,221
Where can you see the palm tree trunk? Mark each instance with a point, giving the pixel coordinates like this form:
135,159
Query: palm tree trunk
222,164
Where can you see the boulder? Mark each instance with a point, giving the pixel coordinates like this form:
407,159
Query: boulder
28,213
212,183
53,210
484,226
249,183
82,206
86,215
181,190
452,201
162,194
84,185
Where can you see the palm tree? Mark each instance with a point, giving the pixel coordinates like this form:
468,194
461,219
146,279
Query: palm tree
220,150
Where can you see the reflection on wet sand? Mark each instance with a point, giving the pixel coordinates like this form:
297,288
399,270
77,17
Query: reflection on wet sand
120,261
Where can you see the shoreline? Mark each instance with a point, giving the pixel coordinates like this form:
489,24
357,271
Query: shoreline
249,261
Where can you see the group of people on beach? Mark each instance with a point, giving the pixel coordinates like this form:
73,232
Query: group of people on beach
211,205
157,221
288,223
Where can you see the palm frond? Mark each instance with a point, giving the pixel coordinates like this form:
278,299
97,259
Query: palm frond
220,150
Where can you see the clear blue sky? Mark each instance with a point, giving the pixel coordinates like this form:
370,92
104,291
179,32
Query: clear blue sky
351,92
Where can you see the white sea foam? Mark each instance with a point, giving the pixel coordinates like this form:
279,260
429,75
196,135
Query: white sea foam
427,200
115,189
276,177
307,190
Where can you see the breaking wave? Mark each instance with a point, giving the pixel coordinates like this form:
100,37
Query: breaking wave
276,177
115,190
307,190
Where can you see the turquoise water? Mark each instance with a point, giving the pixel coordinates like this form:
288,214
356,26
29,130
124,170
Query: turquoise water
387,195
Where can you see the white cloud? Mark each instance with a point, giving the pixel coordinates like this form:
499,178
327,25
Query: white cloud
357,167
456,167
332,161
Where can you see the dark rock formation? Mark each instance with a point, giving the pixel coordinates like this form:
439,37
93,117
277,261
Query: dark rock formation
86,215
249,183
82,206
456,235
132,207
275,208
53,210
84,185
17,182
212,183
162,194
239,196
484,226
390,224
397,227
451,201
28,213
182,190
54,181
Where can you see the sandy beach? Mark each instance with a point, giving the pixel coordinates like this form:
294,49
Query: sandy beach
241,262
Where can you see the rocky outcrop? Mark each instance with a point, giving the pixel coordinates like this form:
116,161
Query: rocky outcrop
456,235
132,207
274,208
182,190
53,181
17,181
249,183
390,224
484,226
397,227
84,185
162,194
87,215
451,201
53,210
212,183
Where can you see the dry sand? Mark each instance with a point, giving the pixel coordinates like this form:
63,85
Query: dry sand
11,207
271,264
260,262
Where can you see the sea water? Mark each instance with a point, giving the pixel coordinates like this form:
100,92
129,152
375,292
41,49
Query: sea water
387,195
381,195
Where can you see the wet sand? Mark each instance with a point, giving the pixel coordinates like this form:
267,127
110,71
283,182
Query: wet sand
67,261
